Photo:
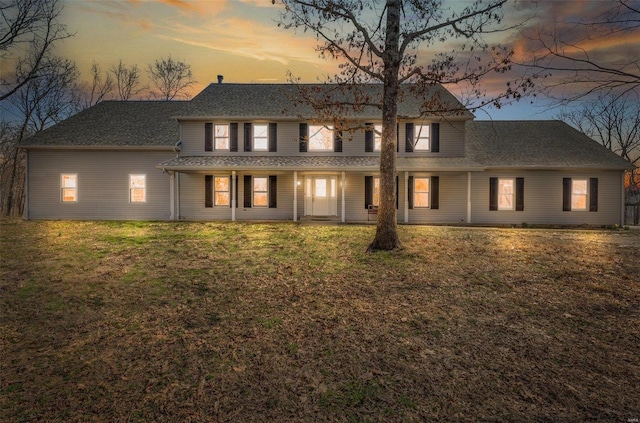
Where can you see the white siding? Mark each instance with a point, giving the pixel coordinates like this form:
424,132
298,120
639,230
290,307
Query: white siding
543,199
453,200
103,184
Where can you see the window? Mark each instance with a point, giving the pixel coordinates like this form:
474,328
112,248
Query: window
320,138
376,191
506,194
69,187
261,137
421,192
421,140
260,192
221,137
377,138
579,194
137,188
221,191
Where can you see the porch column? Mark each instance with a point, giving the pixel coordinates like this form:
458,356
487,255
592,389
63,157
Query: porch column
468,197
233,195
295,195
172,195
406,197
343,208
623,201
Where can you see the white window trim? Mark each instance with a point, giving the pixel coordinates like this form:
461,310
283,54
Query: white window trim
317,131
513,194
265,138
215,198
131,188
415,206
228,137
62,188
586,194
253,192
417,130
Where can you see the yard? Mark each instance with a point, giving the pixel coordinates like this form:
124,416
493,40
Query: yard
224,322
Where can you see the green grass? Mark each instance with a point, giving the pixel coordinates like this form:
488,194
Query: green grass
153,321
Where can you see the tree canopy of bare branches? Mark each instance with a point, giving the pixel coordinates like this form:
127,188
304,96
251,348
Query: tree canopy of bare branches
170,78
387,43
28,29
127,80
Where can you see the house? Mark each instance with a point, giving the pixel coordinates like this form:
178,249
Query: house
248,152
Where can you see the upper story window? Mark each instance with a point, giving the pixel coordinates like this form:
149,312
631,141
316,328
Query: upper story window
506,194
69,187
421,192
377,138
421,138
221,137
260,137
578,194
320,138
137,188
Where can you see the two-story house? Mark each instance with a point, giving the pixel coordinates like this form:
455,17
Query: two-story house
248,152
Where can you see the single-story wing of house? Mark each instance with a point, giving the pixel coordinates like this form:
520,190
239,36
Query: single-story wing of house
251,152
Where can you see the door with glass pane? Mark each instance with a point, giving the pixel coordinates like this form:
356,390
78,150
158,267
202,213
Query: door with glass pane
321,196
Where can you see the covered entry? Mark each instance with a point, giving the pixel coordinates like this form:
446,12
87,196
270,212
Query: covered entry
321,195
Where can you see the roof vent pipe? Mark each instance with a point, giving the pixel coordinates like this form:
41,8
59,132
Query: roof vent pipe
220,79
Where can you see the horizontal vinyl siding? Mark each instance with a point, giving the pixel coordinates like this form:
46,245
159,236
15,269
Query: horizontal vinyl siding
451,140
543,199
453,200
103,185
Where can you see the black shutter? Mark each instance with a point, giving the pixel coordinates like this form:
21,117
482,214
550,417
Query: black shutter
208,190
397,193
247,191
593,194
435,137
208,137
408,145
368,191
519,194
493,193
273,137
435,192
304,135
368,138
337,142
233,137
236,192
566,194
247,137
397,138
273,191
230,185
410,191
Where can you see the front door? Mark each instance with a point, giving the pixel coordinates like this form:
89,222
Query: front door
321,196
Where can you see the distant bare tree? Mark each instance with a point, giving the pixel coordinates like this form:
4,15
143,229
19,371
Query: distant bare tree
127,80
171,78
98,90
28,29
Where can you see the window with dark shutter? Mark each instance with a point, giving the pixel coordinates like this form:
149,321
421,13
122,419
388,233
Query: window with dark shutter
435,192
435,137
368,138
566,194
408,137
304,137
208,137
248,191
273,137
593,194
273,191
493,194
337,142
247,137
233,137
519,194
410,191
208,190
368,191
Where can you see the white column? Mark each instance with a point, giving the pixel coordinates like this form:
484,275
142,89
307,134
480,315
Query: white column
342,185
406,197
172,196
295,195
233,195
468,197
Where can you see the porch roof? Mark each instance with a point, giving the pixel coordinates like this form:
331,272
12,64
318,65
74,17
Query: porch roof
199,164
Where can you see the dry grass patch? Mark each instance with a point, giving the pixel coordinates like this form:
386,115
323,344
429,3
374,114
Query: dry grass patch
113,321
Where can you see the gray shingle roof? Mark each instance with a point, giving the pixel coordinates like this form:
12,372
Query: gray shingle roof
536,144
116,123
279,101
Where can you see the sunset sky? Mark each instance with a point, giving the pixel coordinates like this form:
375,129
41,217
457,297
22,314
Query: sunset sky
240,40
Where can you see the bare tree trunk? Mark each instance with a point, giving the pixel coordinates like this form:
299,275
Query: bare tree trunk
387,225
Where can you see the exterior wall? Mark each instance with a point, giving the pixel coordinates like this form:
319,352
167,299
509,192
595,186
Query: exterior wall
193,134
103,184
543,199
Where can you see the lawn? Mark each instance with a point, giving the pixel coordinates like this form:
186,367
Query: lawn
231,322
